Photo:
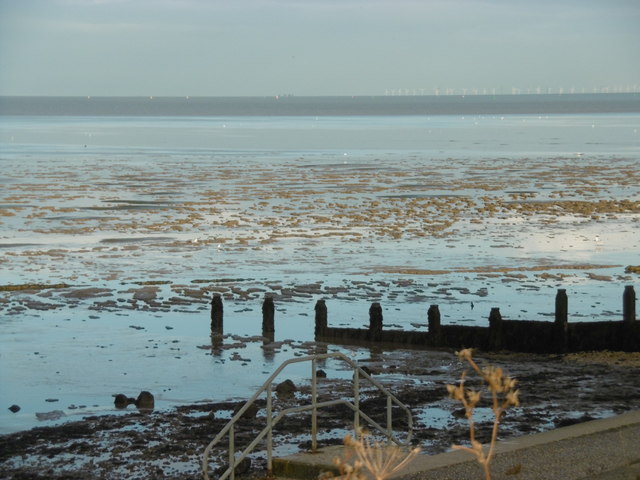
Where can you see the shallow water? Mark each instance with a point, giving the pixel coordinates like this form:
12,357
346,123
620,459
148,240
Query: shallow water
157,213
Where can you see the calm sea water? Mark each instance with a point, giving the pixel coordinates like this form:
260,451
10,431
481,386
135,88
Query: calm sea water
321,106
437,126
358,199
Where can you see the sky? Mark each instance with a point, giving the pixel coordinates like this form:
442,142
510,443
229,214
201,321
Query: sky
317,47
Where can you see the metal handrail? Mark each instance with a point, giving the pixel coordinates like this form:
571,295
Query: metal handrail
272,421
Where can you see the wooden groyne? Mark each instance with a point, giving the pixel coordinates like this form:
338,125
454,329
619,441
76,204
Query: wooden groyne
556,336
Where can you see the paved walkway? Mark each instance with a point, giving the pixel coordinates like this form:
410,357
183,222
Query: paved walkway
607,449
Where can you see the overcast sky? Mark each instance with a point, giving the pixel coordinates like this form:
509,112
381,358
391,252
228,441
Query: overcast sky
315,47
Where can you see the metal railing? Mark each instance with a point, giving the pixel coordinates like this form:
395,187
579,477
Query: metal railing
271,420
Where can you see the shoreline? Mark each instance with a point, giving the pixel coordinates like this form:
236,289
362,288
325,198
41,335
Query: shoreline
142,336
168,443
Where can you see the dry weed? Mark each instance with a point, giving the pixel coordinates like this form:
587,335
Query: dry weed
503,395
365,458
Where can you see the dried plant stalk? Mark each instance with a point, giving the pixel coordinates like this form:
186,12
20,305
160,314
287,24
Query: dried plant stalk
366,458
503,395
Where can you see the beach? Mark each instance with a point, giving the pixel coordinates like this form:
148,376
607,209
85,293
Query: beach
116,232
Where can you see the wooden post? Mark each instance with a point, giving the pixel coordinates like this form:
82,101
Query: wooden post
268,314
629,304
562,306
321,318
562,321
433,317
495,329
375,321
216,314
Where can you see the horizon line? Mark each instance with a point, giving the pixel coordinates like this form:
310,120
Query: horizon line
285,96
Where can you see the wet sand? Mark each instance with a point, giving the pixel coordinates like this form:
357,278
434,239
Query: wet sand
103,264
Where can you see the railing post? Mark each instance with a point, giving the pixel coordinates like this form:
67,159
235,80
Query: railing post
629,304
269,433
356,402
389,420
314,408
232,453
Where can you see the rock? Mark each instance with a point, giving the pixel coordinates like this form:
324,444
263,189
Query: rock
241,468
601,278
84,293
459,413
250,413
145,401
286,388
14,408
53,415
122,401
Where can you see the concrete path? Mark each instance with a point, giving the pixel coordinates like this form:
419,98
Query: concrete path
607,449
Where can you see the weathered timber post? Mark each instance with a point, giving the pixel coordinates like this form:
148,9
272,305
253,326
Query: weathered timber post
375,321
562,321
562,306
495,329
321,318
216,314
268,314
433,317
631,327
629,304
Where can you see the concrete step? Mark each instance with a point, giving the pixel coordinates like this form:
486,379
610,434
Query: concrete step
307,465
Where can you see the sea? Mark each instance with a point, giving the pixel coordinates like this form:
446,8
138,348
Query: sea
121,217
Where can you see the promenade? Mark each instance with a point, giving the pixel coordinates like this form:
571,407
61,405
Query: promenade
605,449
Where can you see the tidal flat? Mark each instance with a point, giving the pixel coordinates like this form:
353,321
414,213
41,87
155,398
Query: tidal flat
90,251
112,245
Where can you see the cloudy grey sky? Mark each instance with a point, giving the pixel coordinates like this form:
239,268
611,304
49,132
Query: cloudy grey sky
315,47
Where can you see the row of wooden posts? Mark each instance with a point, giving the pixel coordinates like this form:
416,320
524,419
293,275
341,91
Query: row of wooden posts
517,335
